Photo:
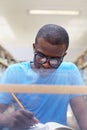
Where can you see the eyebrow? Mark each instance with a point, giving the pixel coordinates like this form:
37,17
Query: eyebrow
49,56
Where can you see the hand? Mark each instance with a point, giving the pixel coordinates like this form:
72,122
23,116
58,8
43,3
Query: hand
20,119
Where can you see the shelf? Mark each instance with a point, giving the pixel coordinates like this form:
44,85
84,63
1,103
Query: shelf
5,59
81,61
83,66
4,62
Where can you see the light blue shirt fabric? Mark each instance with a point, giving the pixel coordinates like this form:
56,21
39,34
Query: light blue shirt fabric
46,107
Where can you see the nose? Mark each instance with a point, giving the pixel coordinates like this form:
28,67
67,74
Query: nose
46,65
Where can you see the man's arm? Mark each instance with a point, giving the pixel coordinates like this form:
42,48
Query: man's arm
16,120
79,108
3,108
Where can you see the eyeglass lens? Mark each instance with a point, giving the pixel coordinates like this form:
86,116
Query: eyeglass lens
54,62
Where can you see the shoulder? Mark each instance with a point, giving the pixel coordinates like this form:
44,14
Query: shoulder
68,65
14,72
73,73
20,65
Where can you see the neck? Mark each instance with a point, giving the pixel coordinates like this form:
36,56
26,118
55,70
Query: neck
34,66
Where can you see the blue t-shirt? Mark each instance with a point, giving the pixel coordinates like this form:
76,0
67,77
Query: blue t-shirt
46,107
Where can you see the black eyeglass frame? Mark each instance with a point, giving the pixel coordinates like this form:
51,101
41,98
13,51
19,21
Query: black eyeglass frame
48,59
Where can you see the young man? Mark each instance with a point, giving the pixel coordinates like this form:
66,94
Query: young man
48,67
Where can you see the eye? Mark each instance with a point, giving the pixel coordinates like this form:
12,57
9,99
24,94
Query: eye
43,59
53,61
40,59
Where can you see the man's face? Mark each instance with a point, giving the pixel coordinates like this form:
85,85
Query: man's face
47,55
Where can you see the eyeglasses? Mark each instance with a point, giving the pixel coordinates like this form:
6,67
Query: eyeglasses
54,62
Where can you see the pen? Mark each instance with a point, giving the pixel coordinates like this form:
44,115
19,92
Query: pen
21,106
18,102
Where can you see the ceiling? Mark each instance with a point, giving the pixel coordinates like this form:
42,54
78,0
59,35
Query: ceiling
18,41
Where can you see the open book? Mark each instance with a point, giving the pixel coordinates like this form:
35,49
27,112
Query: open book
51,126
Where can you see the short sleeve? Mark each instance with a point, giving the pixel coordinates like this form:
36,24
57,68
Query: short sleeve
7,78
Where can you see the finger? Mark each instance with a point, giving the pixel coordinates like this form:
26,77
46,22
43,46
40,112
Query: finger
36,120
24,121
30,115
27,114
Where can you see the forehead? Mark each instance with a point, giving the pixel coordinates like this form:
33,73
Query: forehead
49,49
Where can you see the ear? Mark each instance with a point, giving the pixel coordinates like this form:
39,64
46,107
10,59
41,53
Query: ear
65,53
33,46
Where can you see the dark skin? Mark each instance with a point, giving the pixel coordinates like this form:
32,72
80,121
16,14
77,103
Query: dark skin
49,50
17,120
78,104
22,118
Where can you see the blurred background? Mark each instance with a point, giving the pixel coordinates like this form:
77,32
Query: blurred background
20,21
18,27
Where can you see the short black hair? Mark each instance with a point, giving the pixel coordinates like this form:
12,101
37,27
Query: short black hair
54,34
